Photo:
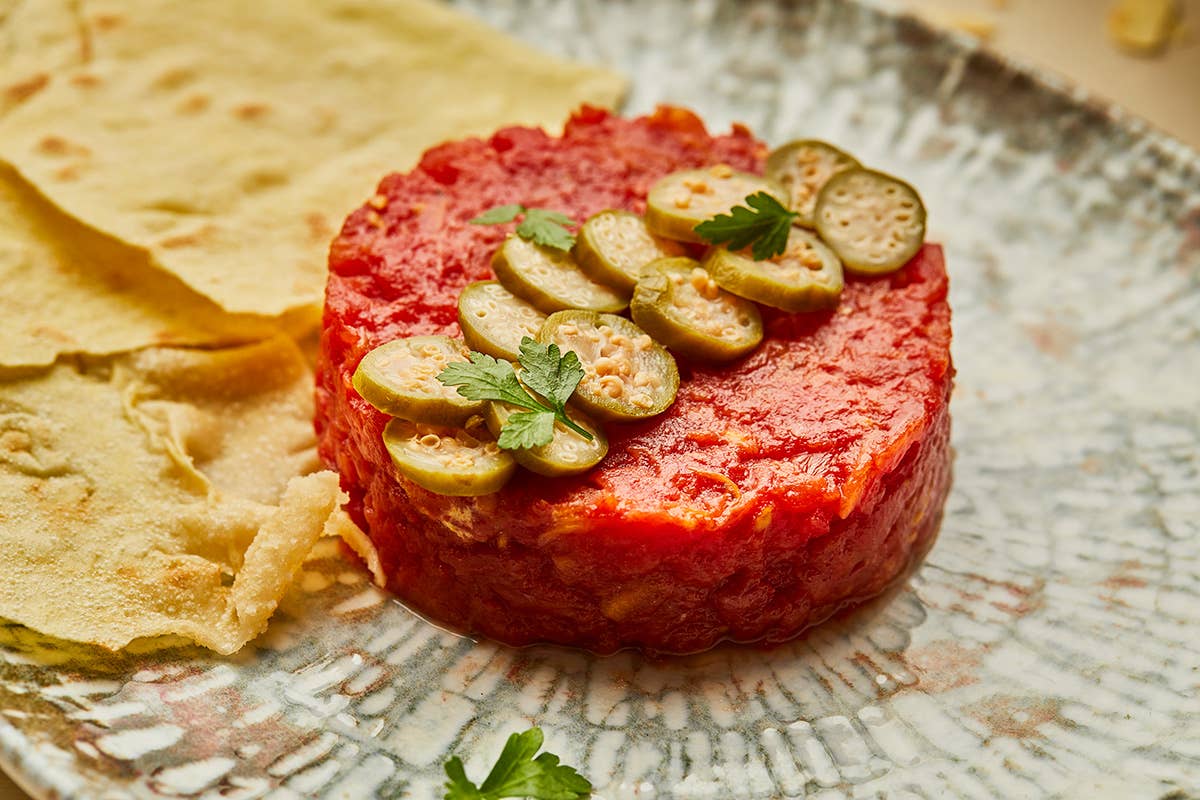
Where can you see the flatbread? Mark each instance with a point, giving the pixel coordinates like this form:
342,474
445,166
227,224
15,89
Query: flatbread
71,289
167,491
36,40
229,139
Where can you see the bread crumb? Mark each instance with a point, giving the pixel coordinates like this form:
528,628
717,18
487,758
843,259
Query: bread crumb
1142,27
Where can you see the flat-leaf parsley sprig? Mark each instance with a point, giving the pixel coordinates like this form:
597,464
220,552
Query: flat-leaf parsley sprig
765,224
553,375
540,225
518,773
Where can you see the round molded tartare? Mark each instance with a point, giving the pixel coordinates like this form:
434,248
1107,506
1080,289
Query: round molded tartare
777,489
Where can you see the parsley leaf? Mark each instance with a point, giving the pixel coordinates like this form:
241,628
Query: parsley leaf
518,773
550,373
485,378
540,225
765,224
526,429
499,215
545,369
546,228
458,787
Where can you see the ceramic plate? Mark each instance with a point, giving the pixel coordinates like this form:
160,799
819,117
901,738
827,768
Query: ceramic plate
1049,647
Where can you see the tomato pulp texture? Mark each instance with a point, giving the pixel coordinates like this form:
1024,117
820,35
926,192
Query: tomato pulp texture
775,490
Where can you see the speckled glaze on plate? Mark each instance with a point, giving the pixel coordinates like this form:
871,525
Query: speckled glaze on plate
1049,647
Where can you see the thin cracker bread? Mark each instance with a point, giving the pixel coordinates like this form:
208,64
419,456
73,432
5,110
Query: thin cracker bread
71,289
229,139
167,491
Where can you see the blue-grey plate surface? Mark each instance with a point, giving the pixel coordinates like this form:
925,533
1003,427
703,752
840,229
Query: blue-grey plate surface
1049,647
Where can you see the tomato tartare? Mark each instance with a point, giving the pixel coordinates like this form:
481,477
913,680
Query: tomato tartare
780,486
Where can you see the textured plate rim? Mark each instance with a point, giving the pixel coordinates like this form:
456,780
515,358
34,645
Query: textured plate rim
33,772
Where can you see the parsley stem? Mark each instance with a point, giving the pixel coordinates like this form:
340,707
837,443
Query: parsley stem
575,426
529,405
561,416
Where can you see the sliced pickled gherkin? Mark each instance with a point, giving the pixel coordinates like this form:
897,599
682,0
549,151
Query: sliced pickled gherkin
682,307
627,375
550,279
454,461
400,378
873,221
802,168
682,200
613,246
807,277
567,454
494,320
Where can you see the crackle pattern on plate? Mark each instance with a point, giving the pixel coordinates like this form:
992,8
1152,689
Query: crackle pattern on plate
1049,647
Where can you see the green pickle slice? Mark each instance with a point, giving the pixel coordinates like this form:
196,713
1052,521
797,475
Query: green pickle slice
682,200
802,168
613,246
461,462
807,277
680,305
400,378
873,221
550,279
627,375
493,319
567,454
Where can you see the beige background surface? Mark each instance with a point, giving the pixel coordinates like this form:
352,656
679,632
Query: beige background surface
1068,37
